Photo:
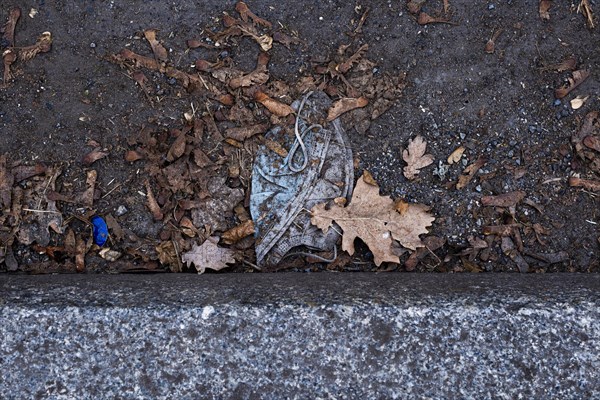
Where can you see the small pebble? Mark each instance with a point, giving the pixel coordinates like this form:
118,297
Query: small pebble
122,210
511,153
478,188
532,128
557,103
462,135
172,81
93,45
491,7
512,143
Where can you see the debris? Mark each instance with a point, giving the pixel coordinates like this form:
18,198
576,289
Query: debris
544,7
110,255
588,184
274,106
578,102
259,76
245,13
80,251
159,51
283,190
508,248
6,182
87,197
93,156
593,142
456,155
177,148
585,8
245,132
152,204
344,105
9,28
43,45
469,173
490,46
550,258
132,155
215,210
578,77
99,230
510,199
425,19
32,13
569,64
415,157
239,232
375,220
208,255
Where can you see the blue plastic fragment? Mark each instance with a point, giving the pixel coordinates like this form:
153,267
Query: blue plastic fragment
100,231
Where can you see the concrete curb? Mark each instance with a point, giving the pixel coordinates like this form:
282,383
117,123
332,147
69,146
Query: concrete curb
300,336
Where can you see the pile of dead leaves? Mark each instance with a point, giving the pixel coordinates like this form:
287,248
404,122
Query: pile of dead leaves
586,142
12,54
196,172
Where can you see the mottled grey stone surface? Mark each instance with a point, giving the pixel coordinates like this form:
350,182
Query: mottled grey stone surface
300,336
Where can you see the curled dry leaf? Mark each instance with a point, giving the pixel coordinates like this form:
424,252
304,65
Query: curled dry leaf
87,197
239,232
276,148
208,255
586,9
159,51
93,156
425,19
374,219
415,157
588,184
344,105
510,199
110,255
132,155
544,7
153,204
490,46
592,142
456,155
578,102
6,182
245,13
470,172
8,58
274,106
23,172
259,76
578,77
177,148
9,28
43,45
244,132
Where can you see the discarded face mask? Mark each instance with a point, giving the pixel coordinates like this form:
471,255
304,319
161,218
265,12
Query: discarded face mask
317,168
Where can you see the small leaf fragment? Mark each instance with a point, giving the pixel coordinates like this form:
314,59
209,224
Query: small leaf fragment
344,105
456,155
415,157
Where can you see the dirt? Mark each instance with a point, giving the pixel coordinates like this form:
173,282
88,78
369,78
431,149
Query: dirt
500,106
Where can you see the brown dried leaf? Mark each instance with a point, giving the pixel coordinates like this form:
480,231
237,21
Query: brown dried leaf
456,155
239,232
153,206
355,58
588,184
209,255
9,28
374,219
414,6
43,45
93,156
470,172
167,255
490,46
276,148
578,77
87,197
244,132
8,57
274,106
132,155
6,182
510,199
177,148
259,76
592,142
245,13
425,19
344,105
415,157
586,9
80,251
544,8
159,51
23,172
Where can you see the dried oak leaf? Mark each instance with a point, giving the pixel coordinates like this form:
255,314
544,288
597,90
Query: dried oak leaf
374,219
578,77
93,156
415,157
259,76
344,105
208,255
43,45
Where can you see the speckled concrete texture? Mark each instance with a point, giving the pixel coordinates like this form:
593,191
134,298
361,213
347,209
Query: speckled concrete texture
319,336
